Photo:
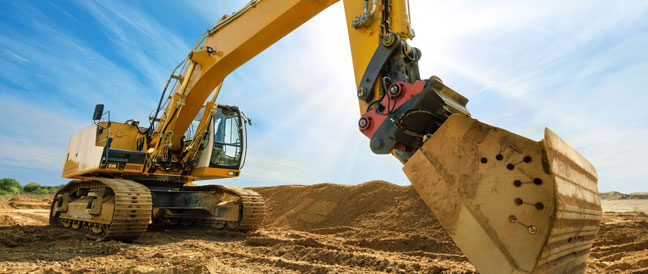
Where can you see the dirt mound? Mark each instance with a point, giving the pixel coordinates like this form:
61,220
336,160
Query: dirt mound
380,215
375,205
614,195
639,195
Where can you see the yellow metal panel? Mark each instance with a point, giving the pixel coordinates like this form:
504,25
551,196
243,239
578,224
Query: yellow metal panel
124,136
363,41
82,154
206,173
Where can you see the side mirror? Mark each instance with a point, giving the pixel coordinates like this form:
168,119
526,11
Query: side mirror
98,112
246,119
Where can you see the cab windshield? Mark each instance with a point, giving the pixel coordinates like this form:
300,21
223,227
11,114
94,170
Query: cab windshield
227,149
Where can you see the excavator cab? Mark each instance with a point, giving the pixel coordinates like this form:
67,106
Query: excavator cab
223,149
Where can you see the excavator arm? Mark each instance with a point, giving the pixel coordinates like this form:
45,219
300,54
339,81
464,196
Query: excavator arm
234,40
397,113
513,205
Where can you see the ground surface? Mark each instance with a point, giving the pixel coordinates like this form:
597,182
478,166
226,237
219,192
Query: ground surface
373,227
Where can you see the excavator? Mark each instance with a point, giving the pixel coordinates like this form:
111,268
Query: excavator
511,204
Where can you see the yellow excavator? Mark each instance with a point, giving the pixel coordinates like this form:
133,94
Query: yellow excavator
511,204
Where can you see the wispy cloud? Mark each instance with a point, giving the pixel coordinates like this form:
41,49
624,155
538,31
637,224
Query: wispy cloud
78,75
146,44
16,56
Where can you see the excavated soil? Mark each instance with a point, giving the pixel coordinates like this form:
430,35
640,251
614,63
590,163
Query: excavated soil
325,228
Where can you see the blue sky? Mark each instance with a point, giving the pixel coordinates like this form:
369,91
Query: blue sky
577,67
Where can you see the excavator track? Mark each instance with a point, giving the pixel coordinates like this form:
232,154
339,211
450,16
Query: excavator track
252,211
125,210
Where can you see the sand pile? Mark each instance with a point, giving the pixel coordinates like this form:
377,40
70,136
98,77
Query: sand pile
614,195
375,205
379,215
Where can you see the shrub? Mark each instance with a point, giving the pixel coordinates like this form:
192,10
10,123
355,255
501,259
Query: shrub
10,186
32,187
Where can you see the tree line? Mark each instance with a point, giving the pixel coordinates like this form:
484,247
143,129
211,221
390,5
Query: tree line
12,186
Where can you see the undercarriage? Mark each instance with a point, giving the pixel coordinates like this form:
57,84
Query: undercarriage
119,209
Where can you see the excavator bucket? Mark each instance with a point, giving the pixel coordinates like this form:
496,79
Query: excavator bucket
511,204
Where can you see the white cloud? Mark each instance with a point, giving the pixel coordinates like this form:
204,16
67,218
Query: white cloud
17,57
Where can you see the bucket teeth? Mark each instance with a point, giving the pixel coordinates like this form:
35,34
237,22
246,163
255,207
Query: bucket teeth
513,205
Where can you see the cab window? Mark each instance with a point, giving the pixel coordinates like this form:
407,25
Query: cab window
227,148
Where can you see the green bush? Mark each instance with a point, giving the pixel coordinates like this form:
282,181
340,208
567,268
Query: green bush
10,186
32,187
